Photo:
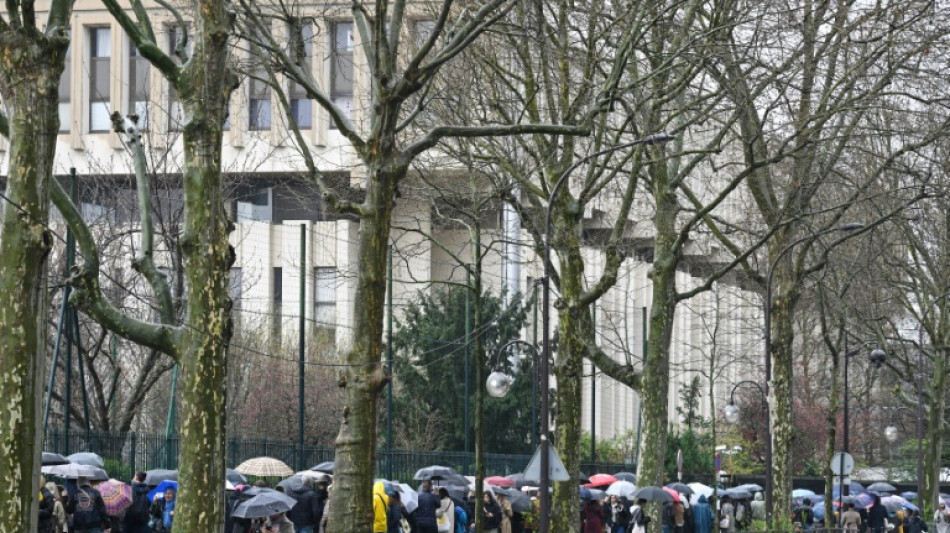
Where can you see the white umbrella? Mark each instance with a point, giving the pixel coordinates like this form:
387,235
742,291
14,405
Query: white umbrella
75,470
621,488
699,490
408,497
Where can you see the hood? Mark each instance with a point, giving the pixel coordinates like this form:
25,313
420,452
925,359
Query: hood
50,486
758,496
702,499
380,490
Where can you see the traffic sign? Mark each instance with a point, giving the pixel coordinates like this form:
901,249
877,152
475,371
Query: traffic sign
555,466
842,463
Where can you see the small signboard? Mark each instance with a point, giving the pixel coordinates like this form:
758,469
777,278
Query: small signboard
556,469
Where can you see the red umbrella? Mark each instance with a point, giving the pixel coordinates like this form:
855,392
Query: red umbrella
673,493
499,481
601,480
116,495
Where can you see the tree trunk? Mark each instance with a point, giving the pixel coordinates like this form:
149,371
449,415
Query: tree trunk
656,368
935,429
203,348
780,390
478,358
31,72
831,421
355,462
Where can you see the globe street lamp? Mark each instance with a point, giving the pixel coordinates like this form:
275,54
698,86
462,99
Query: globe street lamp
731,414
852,226
544,518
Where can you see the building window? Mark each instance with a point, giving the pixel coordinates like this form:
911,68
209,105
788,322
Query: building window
258,105
65,96
257,204
138,86
341,69
100,54
324,297
301,107
176,113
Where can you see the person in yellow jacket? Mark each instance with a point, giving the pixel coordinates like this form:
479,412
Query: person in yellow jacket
380,506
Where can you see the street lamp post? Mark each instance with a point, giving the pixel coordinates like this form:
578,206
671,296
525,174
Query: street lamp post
853,226
544,519
877,357
731,413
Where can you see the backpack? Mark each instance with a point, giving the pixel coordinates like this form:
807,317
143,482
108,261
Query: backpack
86,515
138,512
461,520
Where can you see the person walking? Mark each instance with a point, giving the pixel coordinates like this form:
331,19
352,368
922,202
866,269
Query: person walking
702,516
638,518
593,517
307,512
851,519
727,515
47,508
87,508
426,513
914,523
618,514
942,519
491,513
877,516
278,523
447,506
137,515
380,508
163,511
506,512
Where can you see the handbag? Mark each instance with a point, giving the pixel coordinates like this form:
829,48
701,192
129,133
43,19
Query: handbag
444,525
724,523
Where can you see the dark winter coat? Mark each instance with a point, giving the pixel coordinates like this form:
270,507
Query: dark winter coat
46,517
97,502
308,509
593,516
877,517
493,521
428,504
131,524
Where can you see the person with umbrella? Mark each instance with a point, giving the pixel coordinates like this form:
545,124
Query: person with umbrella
428,511
942,519
491,513
163,511
617,513
877,516
727,517
380,508
506,512
447,506
307,512
702,515
638,518
47,517
278,523
137,515
915,524
87,508
395,513
593,517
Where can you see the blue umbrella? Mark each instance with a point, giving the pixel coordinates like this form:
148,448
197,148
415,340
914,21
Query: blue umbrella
160,489
585,493
802,493
909,495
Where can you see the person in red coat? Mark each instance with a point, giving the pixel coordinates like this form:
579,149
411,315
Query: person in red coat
593,516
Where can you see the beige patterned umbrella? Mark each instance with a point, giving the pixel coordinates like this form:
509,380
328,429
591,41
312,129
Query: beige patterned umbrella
265,467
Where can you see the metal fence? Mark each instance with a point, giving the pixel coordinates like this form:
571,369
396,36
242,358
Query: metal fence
126,453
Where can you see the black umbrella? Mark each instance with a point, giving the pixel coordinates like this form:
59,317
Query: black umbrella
235,477
652,494
53,459
520,502
681,488
457,492
265,504
518,479
87,458
880,486
293,483
326,466
156,476
584,478
435,473
738,494
626,476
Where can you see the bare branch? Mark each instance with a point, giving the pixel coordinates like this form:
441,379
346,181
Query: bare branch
87,294
145,45
438,133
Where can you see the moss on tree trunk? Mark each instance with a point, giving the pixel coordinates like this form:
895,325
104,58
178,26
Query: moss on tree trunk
31,70
364,377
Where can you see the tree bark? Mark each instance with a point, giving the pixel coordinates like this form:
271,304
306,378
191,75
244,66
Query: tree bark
364,377
30,65
935,430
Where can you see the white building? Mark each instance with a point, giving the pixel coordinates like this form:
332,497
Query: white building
104,73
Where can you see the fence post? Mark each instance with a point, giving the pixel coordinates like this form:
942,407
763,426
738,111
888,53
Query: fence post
132,454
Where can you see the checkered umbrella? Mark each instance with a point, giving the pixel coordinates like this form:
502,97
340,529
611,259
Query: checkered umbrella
265,467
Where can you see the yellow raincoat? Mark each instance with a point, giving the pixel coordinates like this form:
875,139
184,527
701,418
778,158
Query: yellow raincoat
380,506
